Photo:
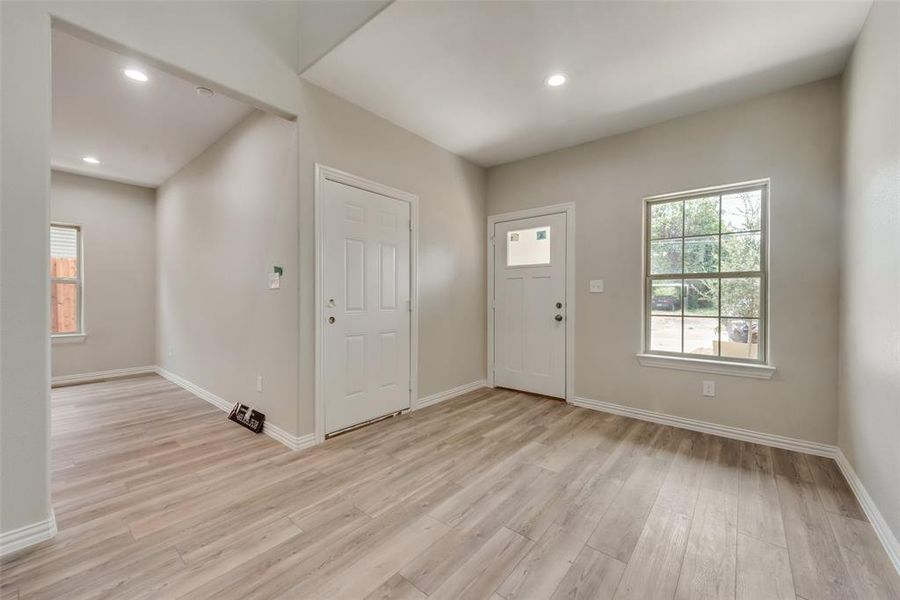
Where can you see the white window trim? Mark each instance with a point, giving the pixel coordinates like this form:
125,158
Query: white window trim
698,365
80,335
757,369
68,338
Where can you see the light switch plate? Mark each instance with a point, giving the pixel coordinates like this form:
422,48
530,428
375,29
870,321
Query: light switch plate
596,286
274,281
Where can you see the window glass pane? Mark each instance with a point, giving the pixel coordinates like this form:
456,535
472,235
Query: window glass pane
701,335
741,211
701,216
665,219
665,297
701,254
63,252
64,308
740,297
665,257
701,297
665,334
740,338
528,247
740,252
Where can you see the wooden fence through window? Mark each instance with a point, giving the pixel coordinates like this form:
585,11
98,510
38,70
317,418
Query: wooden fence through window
63,296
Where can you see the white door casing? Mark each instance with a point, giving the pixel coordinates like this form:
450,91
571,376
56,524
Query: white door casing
530,304
365,305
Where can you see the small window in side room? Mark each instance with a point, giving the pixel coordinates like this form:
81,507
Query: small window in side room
65,280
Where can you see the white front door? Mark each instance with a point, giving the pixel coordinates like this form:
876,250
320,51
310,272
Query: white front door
366,306
530,304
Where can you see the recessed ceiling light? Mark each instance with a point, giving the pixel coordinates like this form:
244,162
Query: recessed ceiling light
91,160
556,80
136,75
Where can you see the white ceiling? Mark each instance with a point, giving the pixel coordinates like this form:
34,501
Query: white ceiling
469,76
143,133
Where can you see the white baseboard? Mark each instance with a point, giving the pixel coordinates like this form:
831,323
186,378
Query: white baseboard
294,442
884,533
78,378
23,537
737,433
451,393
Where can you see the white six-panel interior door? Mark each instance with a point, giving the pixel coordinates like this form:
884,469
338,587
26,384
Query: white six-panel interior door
529,304
366,305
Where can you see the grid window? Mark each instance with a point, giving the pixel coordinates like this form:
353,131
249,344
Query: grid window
705,274
65,279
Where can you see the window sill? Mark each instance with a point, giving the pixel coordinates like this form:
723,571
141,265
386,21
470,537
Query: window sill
699,365
67,338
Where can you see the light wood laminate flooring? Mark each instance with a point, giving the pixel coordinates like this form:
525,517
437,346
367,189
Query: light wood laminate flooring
495,494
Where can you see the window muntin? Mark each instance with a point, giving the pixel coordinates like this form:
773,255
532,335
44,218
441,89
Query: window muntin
65,279
705,274
528,247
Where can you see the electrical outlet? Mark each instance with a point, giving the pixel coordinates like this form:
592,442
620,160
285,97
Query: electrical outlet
709,388
259,383
596,286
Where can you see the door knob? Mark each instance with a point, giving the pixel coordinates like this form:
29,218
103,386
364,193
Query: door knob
331,320
559,305
558,317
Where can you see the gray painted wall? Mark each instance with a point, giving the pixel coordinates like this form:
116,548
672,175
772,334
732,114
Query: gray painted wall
452,317
223,222
793,137
24,256
218,324
869,398
118,224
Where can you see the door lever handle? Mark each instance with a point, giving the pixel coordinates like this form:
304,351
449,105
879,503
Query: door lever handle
558,317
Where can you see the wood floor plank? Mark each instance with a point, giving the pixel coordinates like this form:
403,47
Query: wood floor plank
763,571
759,509
870,568
396,588
834,491
682,484
495,494
480,575
708,568
592,575
539,573
621,525
816,563
378,565
722,469
655,564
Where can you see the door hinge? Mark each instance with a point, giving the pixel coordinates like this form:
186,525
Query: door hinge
410,225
